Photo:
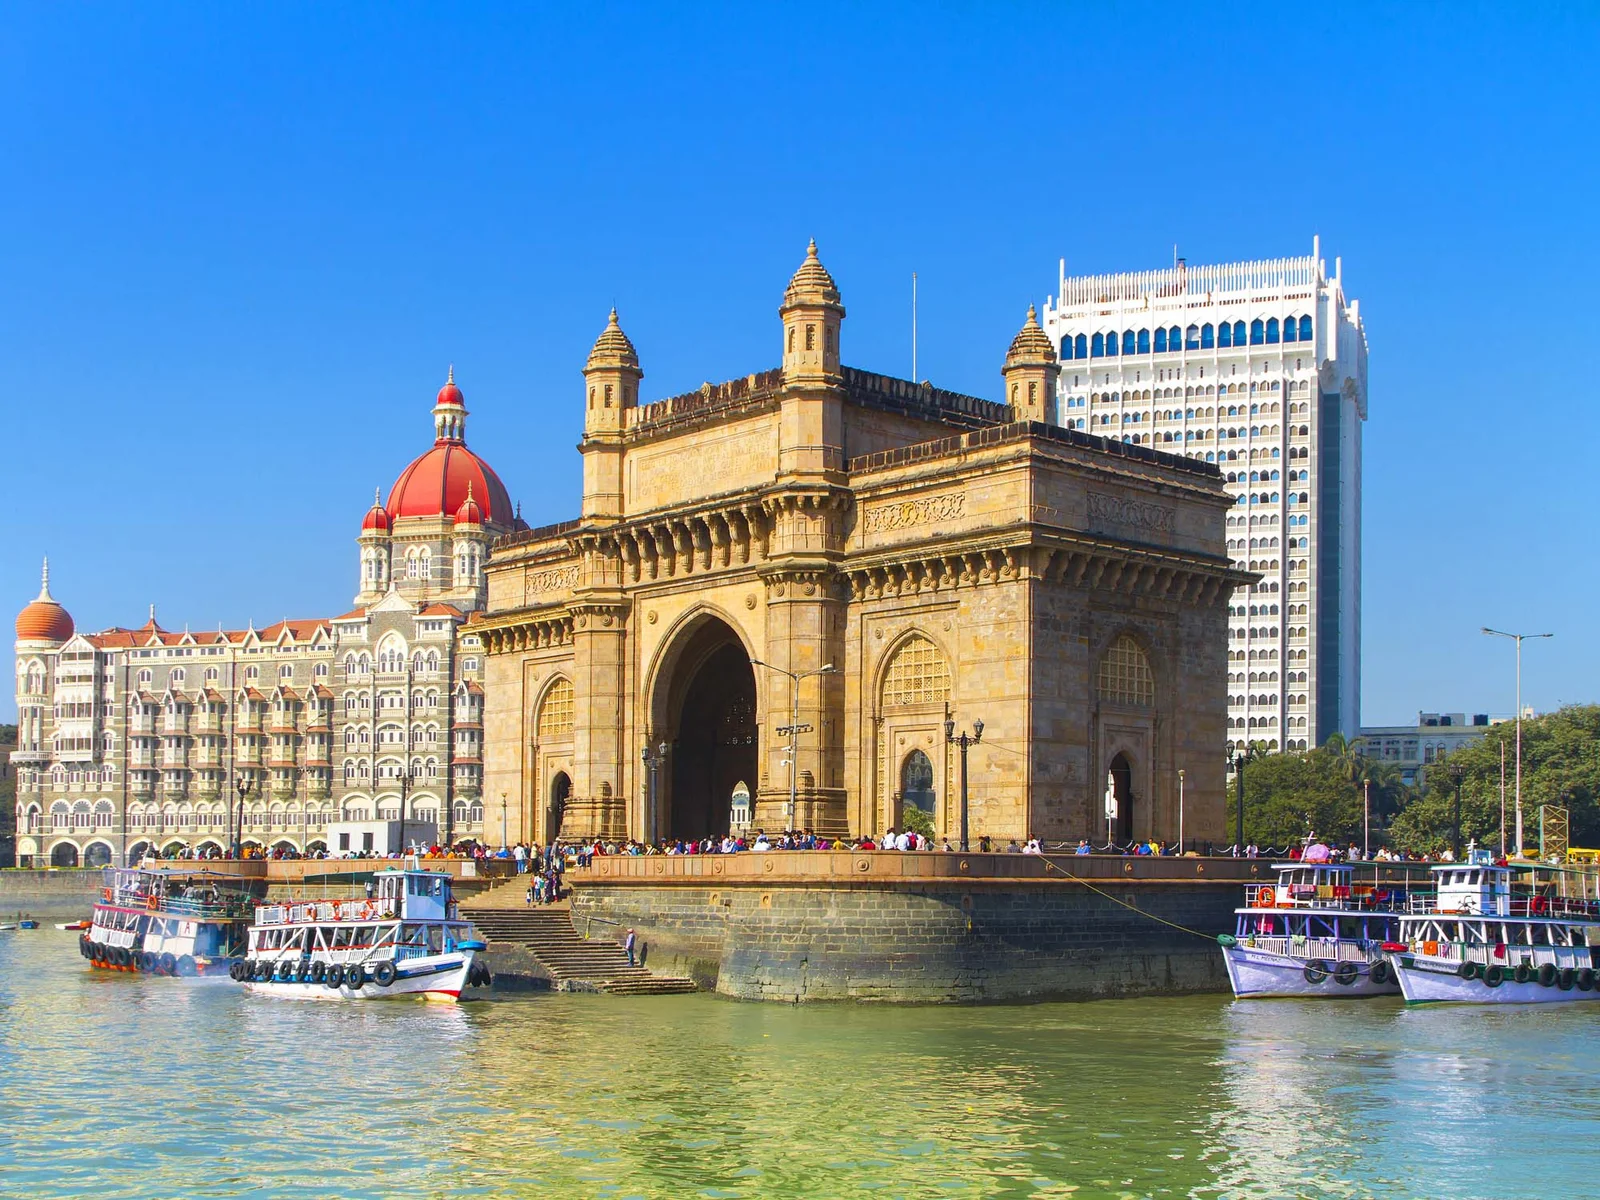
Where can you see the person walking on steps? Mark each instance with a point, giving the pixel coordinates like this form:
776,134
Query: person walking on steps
627,944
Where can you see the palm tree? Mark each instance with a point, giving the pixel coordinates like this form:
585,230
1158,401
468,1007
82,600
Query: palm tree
1346,759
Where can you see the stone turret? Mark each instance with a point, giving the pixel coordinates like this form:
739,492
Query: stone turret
1030,373
612,378
812,313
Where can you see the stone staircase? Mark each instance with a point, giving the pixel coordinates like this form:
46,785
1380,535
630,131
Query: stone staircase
546,932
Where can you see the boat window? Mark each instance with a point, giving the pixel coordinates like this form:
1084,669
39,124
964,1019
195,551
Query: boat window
435,939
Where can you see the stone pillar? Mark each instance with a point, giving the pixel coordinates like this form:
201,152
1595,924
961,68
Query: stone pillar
598,807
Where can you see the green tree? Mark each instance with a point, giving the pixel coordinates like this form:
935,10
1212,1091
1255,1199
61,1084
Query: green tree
1560,765
1287,796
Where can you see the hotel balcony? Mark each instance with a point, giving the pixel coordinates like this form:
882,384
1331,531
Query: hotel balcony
141,724
247,756
209,723
247,722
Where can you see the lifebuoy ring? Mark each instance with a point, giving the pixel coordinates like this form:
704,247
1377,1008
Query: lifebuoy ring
1265,897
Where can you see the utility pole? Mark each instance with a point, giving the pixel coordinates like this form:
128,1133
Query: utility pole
1238,789
1180,812
1519,638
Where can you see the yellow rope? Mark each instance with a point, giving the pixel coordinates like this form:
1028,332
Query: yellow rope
1210,937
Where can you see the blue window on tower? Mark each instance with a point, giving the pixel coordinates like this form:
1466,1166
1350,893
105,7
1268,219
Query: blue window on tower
1174,338
1207,336
1161,341
1080,347
1129,341
1289,330
1099,345
1305,329
1111,343
1191,338
1238,333
1224,334
1258,332
1272,331
1144,341
1066,348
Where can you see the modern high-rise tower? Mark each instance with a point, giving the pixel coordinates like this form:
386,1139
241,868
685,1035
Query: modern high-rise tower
1261,368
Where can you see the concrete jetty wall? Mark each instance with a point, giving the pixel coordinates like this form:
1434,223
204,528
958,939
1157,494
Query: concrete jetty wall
60,893
922,928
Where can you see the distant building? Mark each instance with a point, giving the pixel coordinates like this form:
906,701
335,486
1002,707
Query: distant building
1414,748
135,740
1261,368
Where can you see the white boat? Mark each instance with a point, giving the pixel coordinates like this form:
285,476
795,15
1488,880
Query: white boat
162,921
407,941
72,925
1501,934
1318,931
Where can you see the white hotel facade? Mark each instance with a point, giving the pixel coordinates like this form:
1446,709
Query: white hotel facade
1261,368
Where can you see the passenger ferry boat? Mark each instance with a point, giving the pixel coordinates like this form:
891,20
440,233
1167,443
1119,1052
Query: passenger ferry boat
1498,934
1318,931
163,921
407,941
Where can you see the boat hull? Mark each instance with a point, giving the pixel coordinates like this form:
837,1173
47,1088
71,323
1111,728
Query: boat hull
1259,974
440,978
1422,983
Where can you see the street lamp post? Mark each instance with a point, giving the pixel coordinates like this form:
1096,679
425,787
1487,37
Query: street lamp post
244,786
1456,774
406,779
1238,790
502,820
1366,820
794,729
963,740
1180,811
1518,638
652,763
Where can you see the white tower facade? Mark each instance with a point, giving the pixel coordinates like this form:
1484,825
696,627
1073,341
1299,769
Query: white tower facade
1261,368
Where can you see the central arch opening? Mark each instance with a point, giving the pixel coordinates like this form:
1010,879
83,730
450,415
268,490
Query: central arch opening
1122,788
711,707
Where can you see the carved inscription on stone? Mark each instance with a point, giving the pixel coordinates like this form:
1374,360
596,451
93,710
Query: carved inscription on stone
1136,513
556,579
904,514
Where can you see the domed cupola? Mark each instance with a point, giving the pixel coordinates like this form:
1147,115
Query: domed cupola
435,485
1030,372
469,514
812,311
44,620
377,519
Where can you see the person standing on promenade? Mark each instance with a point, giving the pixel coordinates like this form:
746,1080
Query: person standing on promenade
627,945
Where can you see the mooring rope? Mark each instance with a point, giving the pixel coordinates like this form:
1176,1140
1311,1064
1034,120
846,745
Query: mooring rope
1210,937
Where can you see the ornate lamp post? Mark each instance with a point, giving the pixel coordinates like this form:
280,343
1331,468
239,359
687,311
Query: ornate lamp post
794,729
963,740
1180,812
502,820
245,787
652,763
406,780
1238,790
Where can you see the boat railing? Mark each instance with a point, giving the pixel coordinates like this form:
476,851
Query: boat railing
1364,897
294,912
1330,949
1554,906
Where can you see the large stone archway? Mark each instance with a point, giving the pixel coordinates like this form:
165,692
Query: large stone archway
705,708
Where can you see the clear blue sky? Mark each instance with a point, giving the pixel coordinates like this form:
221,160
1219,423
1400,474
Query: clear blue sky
242,243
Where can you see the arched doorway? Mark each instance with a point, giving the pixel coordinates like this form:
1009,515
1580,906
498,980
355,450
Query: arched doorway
707,699
918,797
63,854
97,854
560,793
1122,788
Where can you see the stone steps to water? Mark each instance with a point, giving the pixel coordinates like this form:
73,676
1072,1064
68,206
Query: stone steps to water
571,959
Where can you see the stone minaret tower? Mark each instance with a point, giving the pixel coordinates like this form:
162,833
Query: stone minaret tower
1030,373
376,529
812,313
612,378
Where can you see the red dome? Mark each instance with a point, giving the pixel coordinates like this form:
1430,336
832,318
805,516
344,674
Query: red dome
44,620
469,513
377,518
436,485
450,393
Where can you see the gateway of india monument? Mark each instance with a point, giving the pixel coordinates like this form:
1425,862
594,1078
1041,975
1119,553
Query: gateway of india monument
842,562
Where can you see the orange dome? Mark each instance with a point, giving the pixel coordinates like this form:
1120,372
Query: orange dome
44,620
436,485
377,518
450,393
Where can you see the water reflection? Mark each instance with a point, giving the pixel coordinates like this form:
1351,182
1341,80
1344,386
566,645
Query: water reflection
132,1087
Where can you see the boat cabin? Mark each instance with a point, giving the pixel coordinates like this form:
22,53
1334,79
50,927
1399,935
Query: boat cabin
414,895
1475,886
1306,885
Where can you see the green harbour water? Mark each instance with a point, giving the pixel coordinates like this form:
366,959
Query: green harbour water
122,1087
